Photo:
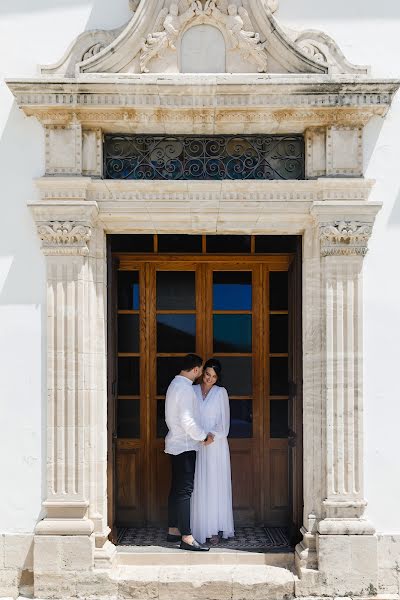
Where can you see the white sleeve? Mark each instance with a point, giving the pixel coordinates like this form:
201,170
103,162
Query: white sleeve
187,419
221,429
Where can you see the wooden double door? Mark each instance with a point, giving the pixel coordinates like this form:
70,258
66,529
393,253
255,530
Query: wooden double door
240,310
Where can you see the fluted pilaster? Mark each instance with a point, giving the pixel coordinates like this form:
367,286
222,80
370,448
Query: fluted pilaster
343,244
70,246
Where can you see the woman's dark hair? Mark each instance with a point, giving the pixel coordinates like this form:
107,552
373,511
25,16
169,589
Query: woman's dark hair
190,362
213,363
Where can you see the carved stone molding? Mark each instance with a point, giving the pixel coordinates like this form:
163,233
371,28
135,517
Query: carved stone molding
345,238
64,238
203,104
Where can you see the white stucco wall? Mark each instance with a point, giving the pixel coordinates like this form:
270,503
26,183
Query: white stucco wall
39,32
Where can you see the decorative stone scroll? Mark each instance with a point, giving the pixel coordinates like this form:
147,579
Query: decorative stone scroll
345,238
67,238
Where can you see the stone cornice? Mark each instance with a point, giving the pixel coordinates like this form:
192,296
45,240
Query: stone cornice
207,207
98,190
153,100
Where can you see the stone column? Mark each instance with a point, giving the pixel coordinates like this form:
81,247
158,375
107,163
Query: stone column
73,534
346,543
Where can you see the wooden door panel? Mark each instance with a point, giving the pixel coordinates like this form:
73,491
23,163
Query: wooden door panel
279,484
162,483
130,483
242,482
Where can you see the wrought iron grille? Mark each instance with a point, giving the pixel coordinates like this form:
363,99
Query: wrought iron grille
203,157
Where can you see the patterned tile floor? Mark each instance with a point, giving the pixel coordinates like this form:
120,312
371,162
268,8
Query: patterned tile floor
249,539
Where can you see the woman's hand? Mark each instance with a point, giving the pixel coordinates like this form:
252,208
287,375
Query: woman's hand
209,439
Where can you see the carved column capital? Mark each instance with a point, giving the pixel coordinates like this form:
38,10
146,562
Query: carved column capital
64,238
345,238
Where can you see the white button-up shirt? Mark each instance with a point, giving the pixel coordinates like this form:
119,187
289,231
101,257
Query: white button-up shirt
181,417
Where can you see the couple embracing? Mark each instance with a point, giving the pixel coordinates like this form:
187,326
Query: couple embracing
198,418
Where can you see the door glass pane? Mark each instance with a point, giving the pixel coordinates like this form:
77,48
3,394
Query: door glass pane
232,333
167,368
278,290
128,419
241,419
162,428
227,244
176,333
232,290
278,334
237,375
128,333
272,244
279,418
180,243
132,243
279,384
128,290
128,377
176,290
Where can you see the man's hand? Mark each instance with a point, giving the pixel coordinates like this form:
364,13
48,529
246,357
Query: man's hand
209,439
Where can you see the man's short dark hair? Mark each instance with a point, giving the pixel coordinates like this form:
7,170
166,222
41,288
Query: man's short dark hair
190,362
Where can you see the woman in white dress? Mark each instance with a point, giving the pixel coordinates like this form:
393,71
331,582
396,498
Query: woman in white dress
212,495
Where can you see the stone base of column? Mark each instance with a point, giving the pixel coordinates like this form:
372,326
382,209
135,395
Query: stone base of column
60,561
306,551
347,567
348,564
338,526
345,517
105,551
65,518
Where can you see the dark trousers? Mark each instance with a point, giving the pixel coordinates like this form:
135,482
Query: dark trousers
183,466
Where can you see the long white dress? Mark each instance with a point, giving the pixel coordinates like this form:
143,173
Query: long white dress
211,506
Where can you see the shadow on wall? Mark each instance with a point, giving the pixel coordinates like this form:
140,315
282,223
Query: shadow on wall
22,299
21,156
371,134
101,17
340,9
394,218
381,162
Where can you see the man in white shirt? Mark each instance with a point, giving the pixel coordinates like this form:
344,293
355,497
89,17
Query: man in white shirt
183,439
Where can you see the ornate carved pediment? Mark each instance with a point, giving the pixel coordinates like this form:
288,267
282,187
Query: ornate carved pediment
151,41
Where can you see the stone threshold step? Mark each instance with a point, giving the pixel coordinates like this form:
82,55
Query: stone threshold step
205,582
133,557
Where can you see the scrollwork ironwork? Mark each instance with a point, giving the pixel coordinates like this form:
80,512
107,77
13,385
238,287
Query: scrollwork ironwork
203,157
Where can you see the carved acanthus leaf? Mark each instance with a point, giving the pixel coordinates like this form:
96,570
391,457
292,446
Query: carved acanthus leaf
65,238
345,238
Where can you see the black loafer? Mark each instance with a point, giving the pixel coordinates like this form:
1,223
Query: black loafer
173,538
195,547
